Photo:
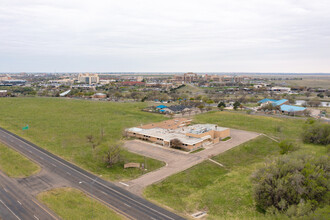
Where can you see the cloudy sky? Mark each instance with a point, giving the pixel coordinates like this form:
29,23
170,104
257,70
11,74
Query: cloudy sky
171,35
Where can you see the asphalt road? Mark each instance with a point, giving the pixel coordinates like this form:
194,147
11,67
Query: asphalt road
16,205
119,199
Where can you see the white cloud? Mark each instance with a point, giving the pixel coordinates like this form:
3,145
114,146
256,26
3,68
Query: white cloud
152,35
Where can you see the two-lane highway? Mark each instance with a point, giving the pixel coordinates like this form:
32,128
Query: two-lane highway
124,202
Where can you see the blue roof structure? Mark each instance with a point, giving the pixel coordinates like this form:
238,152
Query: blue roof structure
162,110
267,100
279,102
291,108
161,106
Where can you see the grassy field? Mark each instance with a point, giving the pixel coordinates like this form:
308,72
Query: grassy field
16,165
273,126
62,126
69,203
322,82
226,192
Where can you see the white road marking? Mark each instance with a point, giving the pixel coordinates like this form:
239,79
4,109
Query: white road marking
113,190
10,210
41,158
35,217
68,173
5,189
124,184
104,193
30,152
54,165
216,162
19,202
127,205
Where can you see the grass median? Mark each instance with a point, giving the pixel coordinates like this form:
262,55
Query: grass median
69,203
13,164
61,126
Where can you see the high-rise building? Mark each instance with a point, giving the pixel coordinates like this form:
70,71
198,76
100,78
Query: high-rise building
88,78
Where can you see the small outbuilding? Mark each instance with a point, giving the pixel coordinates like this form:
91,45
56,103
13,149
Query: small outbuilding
99,96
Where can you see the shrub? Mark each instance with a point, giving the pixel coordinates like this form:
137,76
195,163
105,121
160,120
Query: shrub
287,146
293,184
249,111
316,133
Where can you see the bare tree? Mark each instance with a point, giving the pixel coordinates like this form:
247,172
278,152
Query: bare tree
90,138
176,143
112,155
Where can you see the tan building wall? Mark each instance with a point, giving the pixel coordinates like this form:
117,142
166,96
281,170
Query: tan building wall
222,134
216,136
212,133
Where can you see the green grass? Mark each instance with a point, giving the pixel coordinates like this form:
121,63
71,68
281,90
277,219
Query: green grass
198,150
13,164
69,203
61,126
273,126
227,192
221,191
226,139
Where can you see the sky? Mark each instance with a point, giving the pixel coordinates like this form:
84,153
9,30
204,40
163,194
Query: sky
165,36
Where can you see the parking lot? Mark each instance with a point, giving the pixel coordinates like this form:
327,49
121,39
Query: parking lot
177,161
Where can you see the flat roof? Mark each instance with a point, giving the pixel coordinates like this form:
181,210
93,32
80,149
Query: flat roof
168,124
170,135
179,133
291,108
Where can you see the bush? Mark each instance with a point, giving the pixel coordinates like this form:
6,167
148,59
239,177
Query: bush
249,111
294,185
287,146
316,133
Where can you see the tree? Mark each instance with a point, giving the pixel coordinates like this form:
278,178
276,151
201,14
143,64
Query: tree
221,104
291,183
314,103
176,143
316,133
307,113
236,105
112,155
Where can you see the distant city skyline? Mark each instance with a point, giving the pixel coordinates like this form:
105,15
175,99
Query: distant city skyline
283,36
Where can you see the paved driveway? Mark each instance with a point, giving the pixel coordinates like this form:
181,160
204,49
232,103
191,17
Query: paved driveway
178,161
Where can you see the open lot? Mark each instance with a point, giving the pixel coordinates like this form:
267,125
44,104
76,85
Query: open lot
61,126
226,192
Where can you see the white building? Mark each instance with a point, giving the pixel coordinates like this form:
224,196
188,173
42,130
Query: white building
88,78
